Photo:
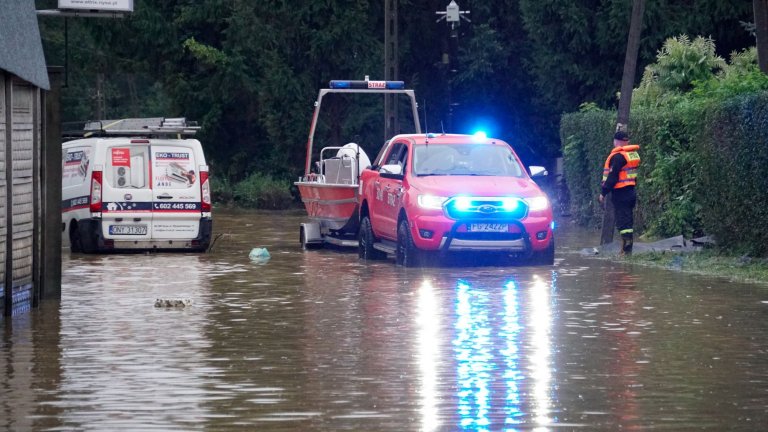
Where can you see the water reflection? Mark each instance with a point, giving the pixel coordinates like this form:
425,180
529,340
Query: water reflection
119,344
501,348
320,341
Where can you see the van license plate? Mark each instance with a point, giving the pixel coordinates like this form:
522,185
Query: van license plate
128,229
488,227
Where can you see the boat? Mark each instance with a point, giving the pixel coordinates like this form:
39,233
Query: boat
329,187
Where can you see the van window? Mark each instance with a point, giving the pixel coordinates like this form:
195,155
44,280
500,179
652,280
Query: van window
74,168
173,167
127,167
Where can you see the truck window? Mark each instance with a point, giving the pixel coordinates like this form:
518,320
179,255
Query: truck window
127,167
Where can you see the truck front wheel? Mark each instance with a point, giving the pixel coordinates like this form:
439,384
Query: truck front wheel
365,242
407,254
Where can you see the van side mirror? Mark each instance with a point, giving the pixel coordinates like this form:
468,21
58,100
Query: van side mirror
538,171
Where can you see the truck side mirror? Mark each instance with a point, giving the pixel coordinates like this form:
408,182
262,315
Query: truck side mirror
391,171
538,171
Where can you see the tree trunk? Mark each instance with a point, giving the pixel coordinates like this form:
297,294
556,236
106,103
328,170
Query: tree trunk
760,8
625,100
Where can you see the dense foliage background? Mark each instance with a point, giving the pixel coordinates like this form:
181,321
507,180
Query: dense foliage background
249,71
703,148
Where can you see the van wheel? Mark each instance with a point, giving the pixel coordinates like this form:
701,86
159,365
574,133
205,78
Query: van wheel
365,240
407,255
75,242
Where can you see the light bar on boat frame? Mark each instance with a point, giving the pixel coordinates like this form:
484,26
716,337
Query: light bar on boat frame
377,85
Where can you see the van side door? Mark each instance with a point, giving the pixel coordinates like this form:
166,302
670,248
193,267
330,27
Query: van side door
176,201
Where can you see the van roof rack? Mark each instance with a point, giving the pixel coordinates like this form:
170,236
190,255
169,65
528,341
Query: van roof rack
154,126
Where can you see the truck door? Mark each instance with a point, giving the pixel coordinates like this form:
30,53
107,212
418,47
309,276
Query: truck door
176,203
126,196
388,194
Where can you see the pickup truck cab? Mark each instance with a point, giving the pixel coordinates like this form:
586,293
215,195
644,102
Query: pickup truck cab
135,184
452,193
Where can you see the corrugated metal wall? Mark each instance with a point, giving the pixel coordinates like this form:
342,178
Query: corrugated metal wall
17,190
23,197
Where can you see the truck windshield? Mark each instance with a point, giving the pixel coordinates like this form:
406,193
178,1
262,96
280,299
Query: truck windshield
466,159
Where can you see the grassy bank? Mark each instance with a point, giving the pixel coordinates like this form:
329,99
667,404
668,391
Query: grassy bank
706,262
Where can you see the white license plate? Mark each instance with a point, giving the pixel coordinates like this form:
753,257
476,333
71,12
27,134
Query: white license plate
488,227
128,229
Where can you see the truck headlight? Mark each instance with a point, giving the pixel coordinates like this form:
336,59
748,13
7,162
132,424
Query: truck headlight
431,201
537,203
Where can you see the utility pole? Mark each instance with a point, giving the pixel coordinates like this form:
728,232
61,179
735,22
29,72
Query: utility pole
760,9
391,69
452,16
625,101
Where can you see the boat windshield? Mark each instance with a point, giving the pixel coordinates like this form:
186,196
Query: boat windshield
466,159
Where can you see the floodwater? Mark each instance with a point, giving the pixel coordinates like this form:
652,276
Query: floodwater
320,341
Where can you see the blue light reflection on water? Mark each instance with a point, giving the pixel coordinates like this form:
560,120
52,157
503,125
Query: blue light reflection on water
491,343
474,357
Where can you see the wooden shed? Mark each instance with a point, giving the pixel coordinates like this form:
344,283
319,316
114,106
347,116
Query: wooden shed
23,79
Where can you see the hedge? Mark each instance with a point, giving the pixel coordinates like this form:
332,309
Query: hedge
704,169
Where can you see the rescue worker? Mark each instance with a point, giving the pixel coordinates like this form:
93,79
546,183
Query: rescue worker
619,179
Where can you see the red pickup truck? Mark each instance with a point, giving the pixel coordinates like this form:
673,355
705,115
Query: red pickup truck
452,193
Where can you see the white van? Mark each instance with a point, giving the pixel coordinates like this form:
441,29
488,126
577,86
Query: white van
135,184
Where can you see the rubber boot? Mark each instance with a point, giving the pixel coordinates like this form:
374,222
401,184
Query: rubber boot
626,246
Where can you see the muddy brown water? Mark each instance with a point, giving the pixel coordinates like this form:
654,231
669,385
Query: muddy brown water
318,340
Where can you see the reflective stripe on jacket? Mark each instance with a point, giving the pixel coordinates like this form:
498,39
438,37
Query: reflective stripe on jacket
628,173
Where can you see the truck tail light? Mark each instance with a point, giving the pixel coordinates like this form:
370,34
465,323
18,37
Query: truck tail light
96,191
205,191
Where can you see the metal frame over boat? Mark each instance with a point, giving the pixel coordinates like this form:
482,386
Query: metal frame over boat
331,195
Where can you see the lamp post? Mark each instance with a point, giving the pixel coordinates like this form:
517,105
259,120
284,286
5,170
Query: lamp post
452,16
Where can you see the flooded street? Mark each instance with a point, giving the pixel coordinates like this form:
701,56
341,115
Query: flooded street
320,341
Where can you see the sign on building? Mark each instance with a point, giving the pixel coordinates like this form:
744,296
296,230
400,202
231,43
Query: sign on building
98,5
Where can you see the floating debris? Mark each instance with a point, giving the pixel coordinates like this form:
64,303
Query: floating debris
259,255
172,303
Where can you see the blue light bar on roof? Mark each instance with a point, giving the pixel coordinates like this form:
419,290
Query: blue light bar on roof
373,85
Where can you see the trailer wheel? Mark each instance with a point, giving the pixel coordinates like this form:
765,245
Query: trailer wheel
303,240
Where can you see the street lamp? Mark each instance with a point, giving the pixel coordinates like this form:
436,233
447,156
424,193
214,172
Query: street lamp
452,16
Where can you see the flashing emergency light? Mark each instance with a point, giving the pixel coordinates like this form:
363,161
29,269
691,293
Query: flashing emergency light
462,203
509,204
480,135
370,85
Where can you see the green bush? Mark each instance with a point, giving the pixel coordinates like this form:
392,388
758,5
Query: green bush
221,190
263,192
587,140
734,176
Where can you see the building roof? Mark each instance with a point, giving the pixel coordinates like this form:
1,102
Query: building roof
21,50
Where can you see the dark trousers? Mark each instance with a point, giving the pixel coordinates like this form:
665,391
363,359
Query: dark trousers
624,200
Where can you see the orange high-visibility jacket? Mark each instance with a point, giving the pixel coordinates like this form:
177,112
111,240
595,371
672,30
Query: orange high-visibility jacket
628,173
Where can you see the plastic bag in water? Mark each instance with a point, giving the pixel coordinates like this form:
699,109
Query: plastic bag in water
259,254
